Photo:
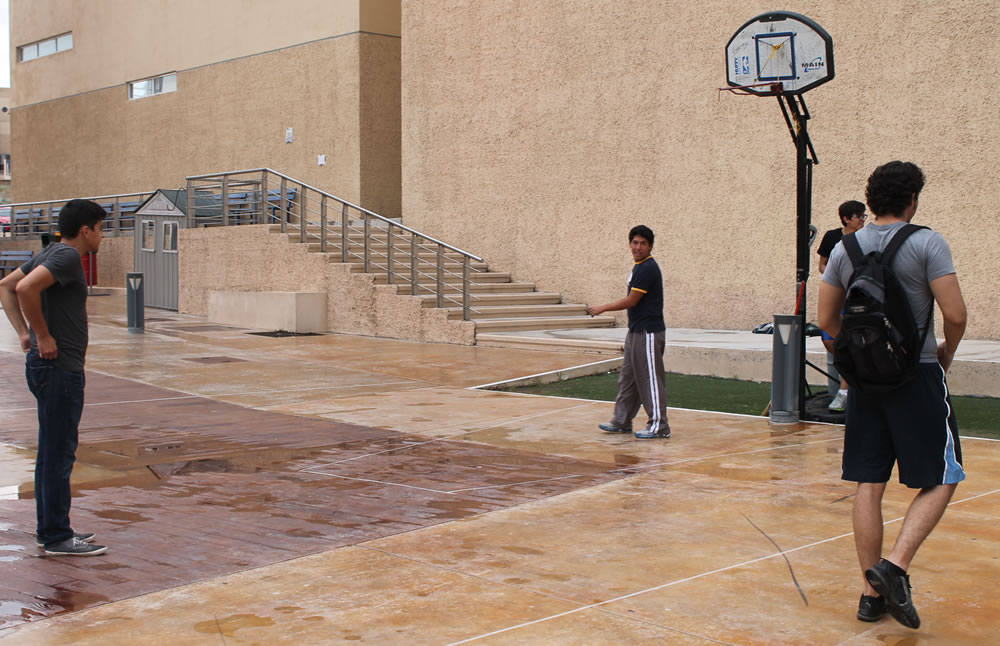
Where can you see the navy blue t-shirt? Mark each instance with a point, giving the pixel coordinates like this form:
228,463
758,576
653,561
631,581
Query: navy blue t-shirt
647,316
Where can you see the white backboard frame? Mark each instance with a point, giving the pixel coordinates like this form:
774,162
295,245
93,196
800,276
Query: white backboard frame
779,47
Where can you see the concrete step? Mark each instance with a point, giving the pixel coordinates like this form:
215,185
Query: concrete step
483,312
497,299
550,323
585,346
403,266
382,278
486,288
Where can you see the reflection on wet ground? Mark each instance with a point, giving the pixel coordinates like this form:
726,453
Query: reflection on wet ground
239,488
264,490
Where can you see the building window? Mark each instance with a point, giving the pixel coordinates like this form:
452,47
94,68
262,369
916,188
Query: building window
45,47
170,237
151,86
148,235
4,166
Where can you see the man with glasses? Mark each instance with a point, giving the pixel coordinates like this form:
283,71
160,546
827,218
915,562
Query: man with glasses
852,218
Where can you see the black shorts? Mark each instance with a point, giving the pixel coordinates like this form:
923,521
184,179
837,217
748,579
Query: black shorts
914,426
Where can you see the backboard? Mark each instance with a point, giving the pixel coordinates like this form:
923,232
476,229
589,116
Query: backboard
779,47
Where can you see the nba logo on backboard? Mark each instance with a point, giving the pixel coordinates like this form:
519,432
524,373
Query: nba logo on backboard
746,65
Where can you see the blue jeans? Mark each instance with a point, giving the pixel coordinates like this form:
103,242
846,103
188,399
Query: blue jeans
60,404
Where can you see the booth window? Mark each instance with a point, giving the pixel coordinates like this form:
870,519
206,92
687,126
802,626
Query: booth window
148,235
170,237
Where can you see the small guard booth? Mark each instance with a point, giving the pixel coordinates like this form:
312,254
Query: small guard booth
157,221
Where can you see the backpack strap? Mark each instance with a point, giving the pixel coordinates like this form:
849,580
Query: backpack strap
853,250
887,254
897,241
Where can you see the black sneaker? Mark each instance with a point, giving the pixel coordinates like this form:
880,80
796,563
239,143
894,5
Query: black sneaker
871,608
86,537
611,428
75,547
893,584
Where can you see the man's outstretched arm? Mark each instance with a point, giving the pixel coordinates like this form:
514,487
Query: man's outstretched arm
631,300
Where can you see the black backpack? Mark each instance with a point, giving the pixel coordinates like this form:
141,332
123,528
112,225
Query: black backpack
878,348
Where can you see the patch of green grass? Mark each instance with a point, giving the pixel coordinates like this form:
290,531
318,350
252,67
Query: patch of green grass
979,416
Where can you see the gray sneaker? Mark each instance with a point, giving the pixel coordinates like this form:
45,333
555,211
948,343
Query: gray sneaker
648,433
838,404
611,428
86,537
75,547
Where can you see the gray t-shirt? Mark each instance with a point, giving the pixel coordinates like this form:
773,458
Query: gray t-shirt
924,257
64,303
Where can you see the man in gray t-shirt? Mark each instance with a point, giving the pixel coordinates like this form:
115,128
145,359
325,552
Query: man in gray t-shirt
912,427
46,302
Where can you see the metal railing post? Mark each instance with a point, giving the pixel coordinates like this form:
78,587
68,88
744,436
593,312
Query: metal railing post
283,205
388,239
440,276
116,216
413,265
344,238
190,206
303,221
225,200
322,222
262,204
368,225
31,219
465,288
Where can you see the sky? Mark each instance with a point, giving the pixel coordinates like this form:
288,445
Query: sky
4,44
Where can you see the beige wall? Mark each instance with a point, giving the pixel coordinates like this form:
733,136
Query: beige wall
77,133
228,117
248,258
536,134
116,41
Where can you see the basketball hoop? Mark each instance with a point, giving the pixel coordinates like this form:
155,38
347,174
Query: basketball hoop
784,54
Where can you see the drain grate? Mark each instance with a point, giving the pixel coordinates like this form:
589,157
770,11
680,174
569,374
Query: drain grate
213,359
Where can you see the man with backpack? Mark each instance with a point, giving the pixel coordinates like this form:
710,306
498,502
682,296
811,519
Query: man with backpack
898,408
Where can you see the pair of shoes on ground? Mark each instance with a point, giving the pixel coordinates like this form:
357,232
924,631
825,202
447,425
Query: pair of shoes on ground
839,403
893,585
644,434
80,544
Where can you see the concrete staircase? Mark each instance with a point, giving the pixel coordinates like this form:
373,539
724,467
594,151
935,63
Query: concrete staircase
499,304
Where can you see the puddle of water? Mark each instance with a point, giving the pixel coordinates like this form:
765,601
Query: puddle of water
228,626
120,515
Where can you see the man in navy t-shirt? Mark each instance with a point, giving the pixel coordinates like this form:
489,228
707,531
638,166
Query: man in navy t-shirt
641,380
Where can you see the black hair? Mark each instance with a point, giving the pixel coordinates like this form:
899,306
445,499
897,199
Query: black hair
893,186
850,208
642,231
77,214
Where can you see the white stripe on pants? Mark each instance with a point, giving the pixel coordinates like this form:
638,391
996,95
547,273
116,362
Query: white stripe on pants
641,381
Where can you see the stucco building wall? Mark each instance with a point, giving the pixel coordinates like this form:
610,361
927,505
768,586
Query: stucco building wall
245,72
536,134
249,258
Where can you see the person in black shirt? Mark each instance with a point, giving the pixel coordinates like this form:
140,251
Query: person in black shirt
641,381
46,302
852,217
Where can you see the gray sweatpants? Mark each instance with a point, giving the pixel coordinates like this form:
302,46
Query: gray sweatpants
641,381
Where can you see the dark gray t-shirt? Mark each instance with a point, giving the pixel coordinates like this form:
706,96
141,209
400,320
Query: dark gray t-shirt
924,257
64,303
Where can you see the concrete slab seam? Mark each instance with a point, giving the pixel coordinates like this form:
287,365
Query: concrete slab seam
694,577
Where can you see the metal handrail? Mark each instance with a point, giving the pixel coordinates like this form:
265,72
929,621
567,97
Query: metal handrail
298,209
113,223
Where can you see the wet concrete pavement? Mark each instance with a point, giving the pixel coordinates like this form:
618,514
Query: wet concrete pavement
342,489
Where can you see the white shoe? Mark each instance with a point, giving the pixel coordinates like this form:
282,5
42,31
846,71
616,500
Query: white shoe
839,403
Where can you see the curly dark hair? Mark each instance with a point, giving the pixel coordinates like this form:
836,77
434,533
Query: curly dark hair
892,186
